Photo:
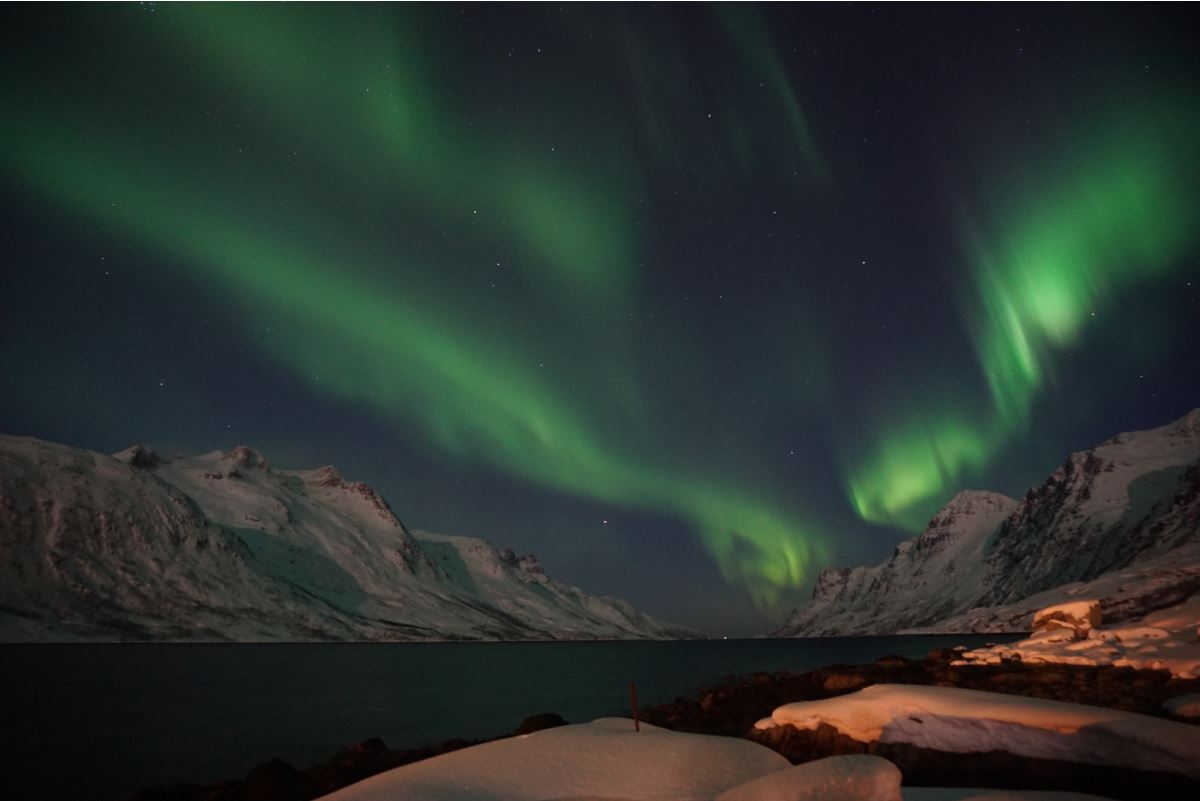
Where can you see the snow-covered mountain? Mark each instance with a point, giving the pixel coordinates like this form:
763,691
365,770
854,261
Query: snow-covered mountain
224,547
1120,522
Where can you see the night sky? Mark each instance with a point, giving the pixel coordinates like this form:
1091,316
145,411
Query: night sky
690,301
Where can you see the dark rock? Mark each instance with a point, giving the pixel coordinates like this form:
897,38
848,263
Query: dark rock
274,780
945,655
805,745
543,720
840,682
891,660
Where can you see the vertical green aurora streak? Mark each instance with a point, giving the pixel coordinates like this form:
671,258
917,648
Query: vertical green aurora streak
1060,249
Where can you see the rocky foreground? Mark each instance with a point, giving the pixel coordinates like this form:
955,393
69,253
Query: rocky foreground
733,708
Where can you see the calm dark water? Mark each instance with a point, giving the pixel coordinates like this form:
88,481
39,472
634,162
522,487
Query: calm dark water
101,721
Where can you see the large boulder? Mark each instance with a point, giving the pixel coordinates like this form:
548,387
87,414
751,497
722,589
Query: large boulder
1070,621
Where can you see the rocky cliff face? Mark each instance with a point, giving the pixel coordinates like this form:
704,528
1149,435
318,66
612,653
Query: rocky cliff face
222,546
1121,520
1130,498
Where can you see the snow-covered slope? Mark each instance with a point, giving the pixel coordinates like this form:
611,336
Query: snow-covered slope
928,577
1120,522
221,546
1131,498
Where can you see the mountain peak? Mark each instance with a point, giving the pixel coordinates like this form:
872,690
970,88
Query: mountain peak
978,501
1186,429
245,456
964,510
327,476
138,456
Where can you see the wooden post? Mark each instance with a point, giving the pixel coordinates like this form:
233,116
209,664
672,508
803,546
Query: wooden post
633,705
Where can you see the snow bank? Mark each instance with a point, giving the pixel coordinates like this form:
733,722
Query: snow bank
605,759
839,778
966,721
1163,640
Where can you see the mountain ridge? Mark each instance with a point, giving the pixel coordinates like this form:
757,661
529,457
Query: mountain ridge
222,546
1120,521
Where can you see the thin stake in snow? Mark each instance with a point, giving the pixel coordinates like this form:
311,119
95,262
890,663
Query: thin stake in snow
633,705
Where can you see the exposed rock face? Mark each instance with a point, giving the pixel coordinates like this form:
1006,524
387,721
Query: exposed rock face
221,546
1120,522
1133,497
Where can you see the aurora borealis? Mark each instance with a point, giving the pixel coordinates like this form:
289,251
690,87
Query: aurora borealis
690,301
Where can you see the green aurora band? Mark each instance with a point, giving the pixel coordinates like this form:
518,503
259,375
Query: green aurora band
365,325
393,117
1060,250
474,397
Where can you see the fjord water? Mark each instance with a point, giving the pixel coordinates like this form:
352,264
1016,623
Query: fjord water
102,721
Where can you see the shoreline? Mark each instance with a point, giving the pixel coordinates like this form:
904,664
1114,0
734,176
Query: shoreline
732,707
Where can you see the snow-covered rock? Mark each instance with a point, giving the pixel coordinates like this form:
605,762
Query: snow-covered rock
1163,640
967,721
222,546
1076,618
838,778
1119,523
606,759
